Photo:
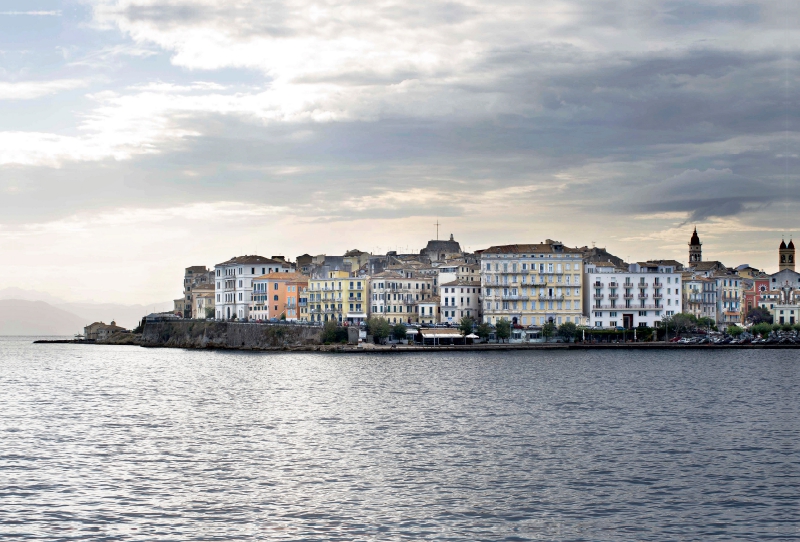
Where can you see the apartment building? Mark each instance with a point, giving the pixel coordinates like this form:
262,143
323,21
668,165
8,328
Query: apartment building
730,294
277,295
532,284
396,294
193,277
234,283
699,295
338,296
639,296
460,299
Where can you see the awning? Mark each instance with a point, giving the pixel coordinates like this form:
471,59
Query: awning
440,334
472,336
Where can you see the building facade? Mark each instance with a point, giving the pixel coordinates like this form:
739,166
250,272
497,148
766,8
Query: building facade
730,295
639,296
277,296
234,283
532,284
338,297
460,299
396,294
699,295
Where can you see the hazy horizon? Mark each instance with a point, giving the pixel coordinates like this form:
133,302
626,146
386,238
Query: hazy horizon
140,137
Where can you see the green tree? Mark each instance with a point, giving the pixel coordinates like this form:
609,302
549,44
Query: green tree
465,325
503,329
787,327
734,331
759,315
762,329
209,313
483,331
399,332
548,330
679,323
797,327
706,322
329,332
379,328
776,327
283,316
567,330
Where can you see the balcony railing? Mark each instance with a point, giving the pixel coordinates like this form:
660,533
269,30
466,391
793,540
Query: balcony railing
642,296
658,296
613,285
628,296
551,297
598,296
613,296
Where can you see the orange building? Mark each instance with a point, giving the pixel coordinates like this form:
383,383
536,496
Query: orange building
277,295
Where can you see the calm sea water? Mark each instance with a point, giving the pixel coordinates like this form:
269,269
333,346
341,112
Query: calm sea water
123,443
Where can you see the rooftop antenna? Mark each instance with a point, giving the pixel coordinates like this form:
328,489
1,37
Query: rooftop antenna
437,229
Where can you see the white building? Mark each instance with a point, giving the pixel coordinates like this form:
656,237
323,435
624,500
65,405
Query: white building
234,283
460,299
638,296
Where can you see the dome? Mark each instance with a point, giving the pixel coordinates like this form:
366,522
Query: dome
695,239
783,245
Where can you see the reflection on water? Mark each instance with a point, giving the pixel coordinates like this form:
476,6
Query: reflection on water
121,443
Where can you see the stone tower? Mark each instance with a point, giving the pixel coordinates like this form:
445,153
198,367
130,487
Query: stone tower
695,250
786,256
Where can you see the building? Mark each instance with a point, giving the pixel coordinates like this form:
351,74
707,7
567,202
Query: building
532,284
99,331
460,299
783,303
730,293
193,277
203,297
786,256
639,296
338,297
695,249
439,251
429,310
277,295
234,283
699,295
396,294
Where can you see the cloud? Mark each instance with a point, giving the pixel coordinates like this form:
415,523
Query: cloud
30,90
54,13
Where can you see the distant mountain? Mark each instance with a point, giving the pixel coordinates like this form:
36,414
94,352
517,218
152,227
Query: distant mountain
127,316
21,317
29,295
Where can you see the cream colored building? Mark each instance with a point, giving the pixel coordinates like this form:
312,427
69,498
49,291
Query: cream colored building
532,284
339,297
460,299
395,294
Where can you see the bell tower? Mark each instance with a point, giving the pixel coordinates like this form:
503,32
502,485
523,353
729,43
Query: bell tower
695,249
786,256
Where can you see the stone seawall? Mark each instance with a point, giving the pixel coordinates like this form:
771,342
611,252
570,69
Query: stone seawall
202,334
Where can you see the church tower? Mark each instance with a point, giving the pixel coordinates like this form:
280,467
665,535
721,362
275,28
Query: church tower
786,256
695,250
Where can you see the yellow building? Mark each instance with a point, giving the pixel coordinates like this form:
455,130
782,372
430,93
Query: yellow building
530,285
337,297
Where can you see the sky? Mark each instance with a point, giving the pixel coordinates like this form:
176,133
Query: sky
139,137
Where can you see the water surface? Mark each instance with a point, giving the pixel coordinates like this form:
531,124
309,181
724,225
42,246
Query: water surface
124,443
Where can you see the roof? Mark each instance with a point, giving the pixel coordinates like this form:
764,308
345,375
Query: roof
286,277
196,269
603,264
462,282
253,259
783,245
389,274
548,246
695,240
204,286
790,245
433,299
706,266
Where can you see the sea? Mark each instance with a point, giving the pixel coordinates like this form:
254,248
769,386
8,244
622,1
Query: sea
127,443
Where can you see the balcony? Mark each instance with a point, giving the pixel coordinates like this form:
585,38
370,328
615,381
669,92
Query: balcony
551,298
597,285
658,296
514,298
613,285
642,296
597,296
613,296
628,285
628,296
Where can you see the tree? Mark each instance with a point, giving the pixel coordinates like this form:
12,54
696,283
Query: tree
209,313
679,323
734,331
399,332
548,330
329,332
759,315
283,316
776,327
567,330
483,331
503,329
466,325
706,322
379,328
763,329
